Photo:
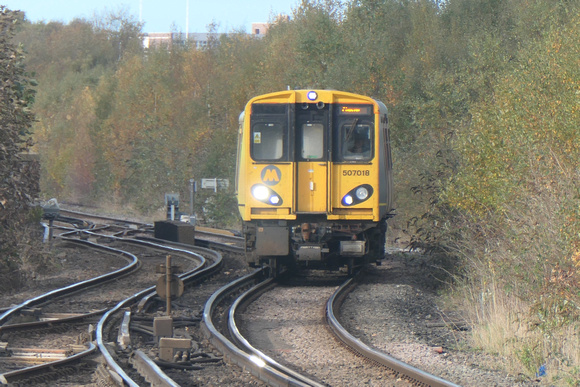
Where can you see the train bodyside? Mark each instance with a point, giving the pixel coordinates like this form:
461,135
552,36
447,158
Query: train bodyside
314,178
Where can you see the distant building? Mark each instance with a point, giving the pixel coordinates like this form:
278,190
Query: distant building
168,39
260,29
199,40
157,39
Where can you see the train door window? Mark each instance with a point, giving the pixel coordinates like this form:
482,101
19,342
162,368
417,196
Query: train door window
311,132
267,141
312,141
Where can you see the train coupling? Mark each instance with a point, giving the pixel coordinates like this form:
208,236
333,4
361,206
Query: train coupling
311,252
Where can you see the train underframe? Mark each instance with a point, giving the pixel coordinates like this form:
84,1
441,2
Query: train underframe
313,243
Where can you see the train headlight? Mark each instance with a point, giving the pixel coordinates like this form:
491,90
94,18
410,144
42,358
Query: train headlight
312,95
362,193
260,192
357,195
266,195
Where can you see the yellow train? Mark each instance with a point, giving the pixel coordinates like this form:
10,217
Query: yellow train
314,178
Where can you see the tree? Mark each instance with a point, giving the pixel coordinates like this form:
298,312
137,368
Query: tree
18,186
18,179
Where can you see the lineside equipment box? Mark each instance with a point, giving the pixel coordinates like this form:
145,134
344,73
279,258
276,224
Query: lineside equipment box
175,231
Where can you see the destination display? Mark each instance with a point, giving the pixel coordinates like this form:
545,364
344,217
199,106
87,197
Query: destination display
354,109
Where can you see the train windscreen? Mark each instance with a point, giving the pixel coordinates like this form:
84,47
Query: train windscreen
269,128
353,133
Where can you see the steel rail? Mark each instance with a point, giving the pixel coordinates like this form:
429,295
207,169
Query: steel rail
240,303
225,237
187,277
100,336
133,265
102,217
40,324
12,376
373,354
229,350
146,368
148,293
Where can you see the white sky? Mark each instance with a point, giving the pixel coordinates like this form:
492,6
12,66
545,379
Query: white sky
161,16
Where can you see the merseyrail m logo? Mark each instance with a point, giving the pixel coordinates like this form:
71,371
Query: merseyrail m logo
271,175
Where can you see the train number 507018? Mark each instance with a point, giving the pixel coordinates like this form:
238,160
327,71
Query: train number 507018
353,172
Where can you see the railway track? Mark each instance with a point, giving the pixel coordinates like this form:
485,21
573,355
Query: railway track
134,350
132,364
223,310
222,240
401,369
140,298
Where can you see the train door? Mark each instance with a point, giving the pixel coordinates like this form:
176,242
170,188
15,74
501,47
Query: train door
312,158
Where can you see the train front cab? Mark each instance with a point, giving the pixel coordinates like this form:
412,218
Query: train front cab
314,178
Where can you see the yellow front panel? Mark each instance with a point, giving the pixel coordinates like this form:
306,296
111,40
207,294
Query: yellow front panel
345,178
304,186
312,189
279,178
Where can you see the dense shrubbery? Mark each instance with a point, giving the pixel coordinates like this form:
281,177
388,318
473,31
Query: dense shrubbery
484,116
518,190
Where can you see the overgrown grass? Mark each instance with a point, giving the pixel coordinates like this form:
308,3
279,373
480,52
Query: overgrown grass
522,291
503,326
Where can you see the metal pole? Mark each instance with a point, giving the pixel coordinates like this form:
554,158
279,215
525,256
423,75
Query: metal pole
168,284
50,230
187,20
191,188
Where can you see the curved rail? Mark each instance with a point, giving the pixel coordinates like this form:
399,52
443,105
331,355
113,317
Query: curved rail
230,351
241,302
251,362
188,278
404,369
7,377
101,217
201,270
133,265
134,262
